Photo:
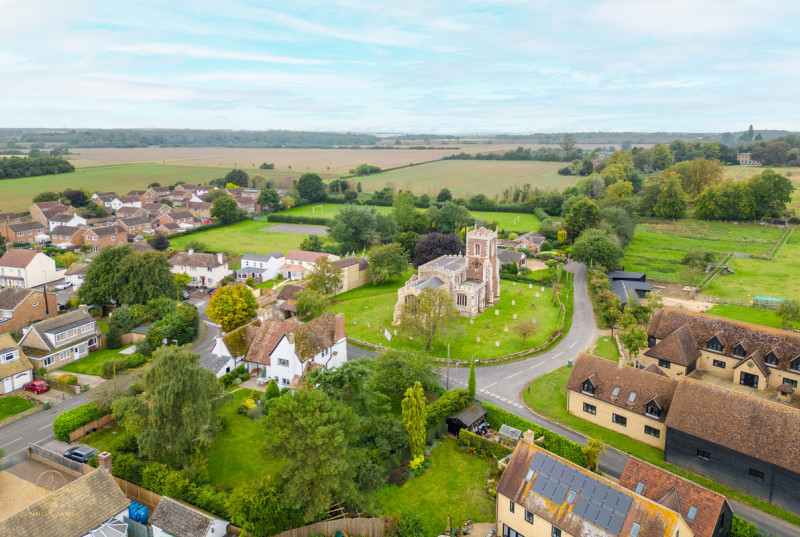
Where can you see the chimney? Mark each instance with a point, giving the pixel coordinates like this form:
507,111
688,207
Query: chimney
191,251
339,326
220,258
104,461
84,308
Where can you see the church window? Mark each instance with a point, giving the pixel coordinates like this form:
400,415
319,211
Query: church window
477,249
461,299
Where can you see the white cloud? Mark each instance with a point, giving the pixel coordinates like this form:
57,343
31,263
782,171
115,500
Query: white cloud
193,51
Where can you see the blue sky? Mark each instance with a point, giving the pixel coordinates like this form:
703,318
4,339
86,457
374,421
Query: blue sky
413,66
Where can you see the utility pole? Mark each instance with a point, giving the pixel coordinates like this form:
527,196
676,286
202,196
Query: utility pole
448,366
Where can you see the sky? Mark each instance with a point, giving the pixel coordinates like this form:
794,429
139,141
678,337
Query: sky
414,66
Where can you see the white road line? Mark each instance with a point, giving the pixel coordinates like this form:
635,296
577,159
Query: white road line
7,443
514,375
45,427
559,354
537,365
490,385
573,344
504,399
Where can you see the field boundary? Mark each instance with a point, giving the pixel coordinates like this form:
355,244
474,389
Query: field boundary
783,242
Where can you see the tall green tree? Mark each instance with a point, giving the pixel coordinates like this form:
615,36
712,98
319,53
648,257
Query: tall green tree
144,276
315,436
634,338
311,188
432,313
176,414
405,212
100,282
351,384
396,371
311,303
772,191
312,243
414,418
387,261
326,279
451,217
471,386
789,312
444,195
583,215
671,201
356,227
225,209
269,198
238,178
661,157
232,306
257,508
596,247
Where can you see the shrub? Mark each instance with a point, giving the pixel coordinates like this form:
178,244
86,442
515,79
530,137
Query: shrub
246,405
742,528
114,337
68,380
136,360
546,246
255,413
41,372
447,405
112,367
76,418
482,446
527,251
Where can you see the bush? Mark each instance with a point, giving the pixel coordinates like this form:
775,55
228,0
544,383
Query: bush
742,528
41,372
482,446
76,418
136,360
112,367
67,380
447,405
546,246
405,525
114,337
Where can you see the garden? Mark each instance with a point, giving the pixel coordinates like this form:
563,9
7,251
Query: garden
13,405
93,364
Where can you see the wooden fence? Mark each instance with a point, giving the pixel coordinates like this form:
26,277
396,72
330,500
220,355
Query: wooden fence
363,527
56,460
138,494
91,426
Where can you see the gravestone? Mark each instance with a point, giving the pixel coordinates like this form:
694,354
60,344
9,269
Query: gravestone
369,325
487,325
505,329
520,291
395,332
496,343
530,286
513,302
497,312
515,316
478,339
537,295
355,321
542,289
514,284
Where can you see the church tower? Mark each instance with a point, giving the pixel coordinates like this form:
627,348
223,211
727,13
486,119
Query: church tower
482,261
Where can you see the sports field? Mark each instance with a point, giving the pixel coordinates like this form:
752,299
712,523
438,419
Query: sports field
244,237
469,177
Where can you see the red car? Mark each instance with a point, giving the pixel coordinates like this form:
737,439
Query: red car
36,386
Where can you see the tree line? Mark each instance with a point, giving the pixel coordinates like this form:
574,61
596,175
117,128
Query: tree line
13,167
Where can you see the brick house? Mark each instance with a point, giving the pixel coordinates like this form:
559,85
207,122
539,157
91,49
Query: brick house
206,270
26,268
61,340
20,307
169,228
24,231
506,255
136,225
299,263
200,209
9,218
101,237
37,210
184,219
66,219
67,237
106,201
155,193
132,212
15,368
156,209
129,201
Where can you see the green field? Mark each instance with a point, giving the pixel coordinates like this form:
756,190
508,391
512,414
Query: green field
13,405
243,237
507,221
468,177
93,364
454,486
658,247
375,305
764,317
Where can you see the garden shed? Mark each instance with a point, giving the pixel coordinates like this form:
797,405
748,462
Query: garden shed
470,419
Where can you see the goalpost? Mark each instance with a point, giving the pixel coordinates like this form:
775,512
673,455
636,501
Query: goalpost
314,209
516,219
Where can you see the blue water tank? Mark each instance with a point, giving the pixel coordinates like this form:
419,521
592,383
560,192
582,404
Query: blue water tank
137,512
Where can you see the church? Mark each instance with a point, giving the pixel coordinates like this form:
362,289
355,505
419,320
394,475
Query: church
472,280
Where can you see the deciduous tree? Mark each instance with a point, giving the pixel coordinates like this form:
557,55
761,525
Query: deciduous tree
396,371
100,284
671,201
444,195
789,311
596,247
288,202
270,199
312,243
355,227
430,314
311,188
583,215
385,262
144,276
225,210
238,178
524,329
257,508
326,279
451,217
414,418
310,303
159,242
592,450
634,339
434,245
661,157
232,306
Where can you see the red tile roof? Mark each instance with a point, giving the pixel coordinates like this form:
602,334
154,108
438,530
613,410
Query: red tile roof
17,258
302,255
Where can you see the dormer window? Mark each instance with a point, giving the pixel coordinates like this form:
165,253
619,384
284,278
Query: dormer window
796,364
771,358
651,341
588,387
714,344
739,351
653,410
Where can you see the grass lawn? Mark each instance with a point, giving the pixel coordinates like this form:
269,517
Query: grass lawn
235,456
375,305
548,397
243,237
658,247
13,405
764,317
93,364
454,485
607,348
105,439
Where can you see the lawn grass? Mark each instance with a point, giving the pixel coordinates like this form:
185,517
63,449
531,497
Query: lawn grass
764,317
13,405
93,364
606,347
235,456
454,485
104,439
243,237
547,397
375,305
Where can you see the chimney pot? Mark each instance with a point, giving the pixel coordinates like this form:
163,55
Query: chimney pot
104,461
191,251
220,257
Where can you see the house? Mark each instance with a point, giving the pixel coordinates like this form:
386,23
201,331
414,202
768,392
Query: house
37,210
228,352
532,241
470,419
91,505
247,205
261,268
629,285
206,270
736,439
286,350
172,518
286,301
506,256
106,194
746,159
20,307
9,218
67,237
136,225
169,228
30,232
75,274
106,200
132,212
472,281
354,272
137,193
101,237
156,209
66,219
707,513
15,369
624,399
58,341
26,268
155,193
200,209
759,357
299,263
542,494
197,190
184,219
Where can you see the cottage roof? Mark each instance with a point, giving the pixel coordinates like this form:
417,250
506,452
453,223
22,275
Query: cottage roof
289,291
302,255
129,199
8,216
175,215
13,367
670,490
159,189
171,226
643,385
362,263
155,207
757,427
758,359
95,496
265,339
199,205
534,237
26,226
785,344
48,204
180,520
677,348
62,217
262,258
321,333
106,231
17,258
66,230
196,259
653,368
505,255
11,297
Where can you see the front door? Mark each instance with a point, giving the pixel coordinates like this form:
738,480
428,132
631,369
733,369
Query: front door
8,385
748,379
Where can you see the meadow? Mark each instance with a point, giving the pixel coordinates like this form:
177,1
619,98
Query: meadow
764,317
243,237
468,177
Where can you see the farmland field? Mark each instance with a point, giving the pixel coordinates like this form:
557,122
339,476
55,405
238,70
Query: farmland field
658,247
469,177
243,237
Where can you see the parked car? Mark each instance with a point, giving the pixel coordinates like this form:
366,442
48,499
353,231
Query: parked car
185,295
63,285
36,386
80,453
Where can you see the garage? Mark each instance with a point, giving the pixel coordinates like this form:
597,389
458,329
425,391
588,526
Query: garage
21,379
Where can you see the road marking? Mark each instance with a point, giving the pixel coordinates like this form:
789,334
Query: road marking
514,375
504,399
537,365
559,354
45,427
490,385
573,344
7,443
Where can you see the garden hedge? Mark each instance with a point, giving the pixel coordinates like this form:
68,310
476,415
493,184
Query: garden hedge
292,219
448,404
482,446
572,451
76,418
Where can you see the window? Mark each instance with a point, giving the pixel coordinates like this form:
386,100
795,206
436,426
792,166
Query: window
48,361
283,362
705,455
756,474
589,409
652,410
555,532
790,382
771,359
796,364
8,357
285,382
508,532
192,268
692,514
91,342
639,487
209,269
714,345
461,299
477,249
588,387
113,237
619,420
652,431
571,497
615,392
80,350
635,529
511,506
88,327
651,341
528,517
739,351
719,363
663,364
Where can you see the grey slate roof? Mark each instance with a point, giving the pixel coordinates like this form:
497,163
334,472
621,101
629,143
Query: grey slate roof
54,325
11,297
509,256
430,283
26,226
452,263
261,258
471,414
622,288
179,519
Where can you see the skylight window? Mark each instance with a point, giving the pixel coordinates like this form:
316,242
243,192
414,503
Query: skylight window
529,475
690,516
615,393
635,529
639,487
632,397
571,497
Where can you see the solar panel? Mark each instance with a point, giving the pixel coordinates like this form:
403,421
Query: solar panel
549,490
560,493
568,477
538,461
624,504
615,525
548,465
591,512
603,518
538,485
580,506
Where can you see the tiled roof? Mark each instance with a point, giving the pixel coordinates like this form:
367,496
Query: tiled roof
762,429
677,348
95,497
175,215
262,258
302,255
289,291
660,484
13,367
265,339
297,269
509,256
318,334
11,297
154,207
106,231
362,262
196,259
653,368
26,226
135,221
17,258
534,237
69,231
77,268
179,519
8,216
49,204
59,323
629,380
129,199
785,344
452,263
62,217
